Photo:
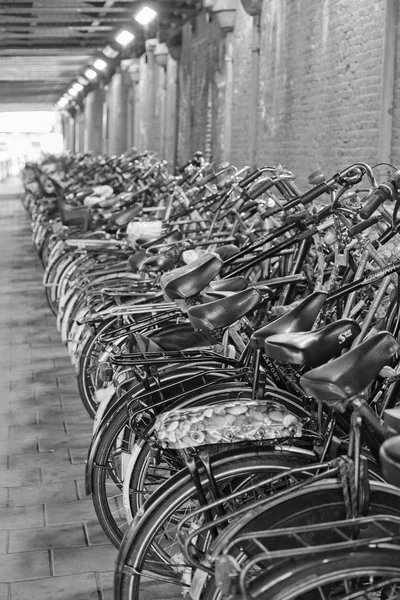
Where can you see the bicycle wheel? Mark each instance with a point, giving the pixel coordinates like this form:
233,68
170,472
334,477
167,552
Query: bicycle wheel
88,360
112,447
142,475
370,574
150,547
321,502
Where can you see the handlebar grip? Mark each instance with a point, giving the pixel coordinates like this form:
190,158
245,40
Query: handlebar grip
248,205
259,189
378,197
359,227
269,212
250,178
314,193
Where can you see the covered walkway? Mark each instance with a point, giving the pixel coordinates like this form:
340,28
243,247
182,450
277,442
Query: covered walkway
51,545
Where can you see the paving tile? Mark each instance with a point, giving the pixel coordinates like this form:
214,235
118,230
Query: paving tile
19,418
78,455
74,441
77,511
21,517
62,472
23,431
43,459
30,445
95,534
3,543
4,590
4,433
20,477
82,560
69,587
107,585
3,497
60,536
44,493
25,566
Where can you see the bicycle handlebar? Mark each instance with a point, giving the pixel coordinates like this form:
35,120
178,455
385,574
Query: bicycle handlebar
359,227
250,178
385,191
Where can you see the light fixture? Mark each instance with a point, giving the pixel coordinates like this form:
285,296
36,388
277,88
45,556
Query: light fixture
72,92
145,15
83,81
110,52
225,11
78,86
124,37
62,102
100,64
90,74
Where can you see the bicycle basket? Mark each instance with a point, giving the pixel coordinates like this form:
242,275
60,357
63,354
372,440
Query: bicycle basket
228,422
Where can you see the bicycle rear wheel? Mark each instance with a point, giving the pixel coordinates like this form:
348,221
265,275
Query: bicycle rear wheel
150,547
370,574
318,503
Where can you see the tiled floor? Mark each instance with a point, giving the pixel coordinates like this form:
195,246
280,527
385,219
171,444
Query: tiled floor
51,546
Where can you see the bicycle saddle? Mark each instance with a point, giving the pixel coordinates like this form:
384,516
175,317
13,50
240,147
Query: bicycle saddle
227,251
158,263
136,259
350,374
312,348
189,280
389,454
125,216
235,284
225,311
300,318
181,338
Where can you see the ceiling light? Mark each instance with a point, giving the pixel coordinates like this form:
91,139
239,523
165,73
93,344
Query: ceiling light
62,102
72,92
124,38
100,64
83,81
78,87
90,74
145,15
110,52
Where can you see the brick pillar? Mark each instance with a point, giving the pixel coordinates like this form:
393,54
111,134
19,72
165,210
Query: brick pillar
94,121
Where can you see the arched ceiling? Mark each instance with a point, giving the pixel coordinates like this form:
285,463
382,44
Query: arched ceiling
45,44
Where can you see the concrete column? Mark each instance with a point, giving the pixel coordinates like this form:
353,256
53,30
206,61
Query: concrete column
151,95
227,137
72,131
118,114
79,129
94,121
131,71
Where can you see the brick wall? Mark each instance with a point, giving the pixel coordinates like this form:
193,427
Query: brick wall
321,83
319,94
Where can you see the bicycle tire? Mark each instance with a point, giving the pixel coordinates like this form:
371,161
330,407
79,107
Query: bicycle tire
311,579
116,422
136,471
318,503
136,549
84,381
